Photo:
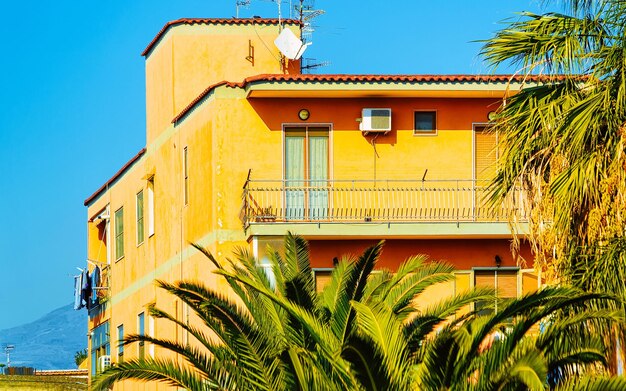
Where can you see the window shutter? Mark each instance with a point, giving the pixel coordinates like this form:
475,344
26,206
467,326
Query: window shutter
485,279
507,284
485,155
507,281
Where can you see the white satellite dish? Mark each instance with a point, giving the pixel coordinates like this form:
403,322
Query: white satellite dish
290,45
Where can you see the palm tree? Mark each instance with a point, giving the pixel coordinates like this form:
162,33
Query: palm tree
362,332
564,140
245,343
502,350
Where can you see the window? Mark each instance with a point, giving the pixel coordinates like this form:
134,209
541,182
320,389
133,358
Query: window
261,248
503,280
140,229
119,233
150,206
99,347
151,334
141,330
425,122
186,176
485,169
306,157
486,153
120,343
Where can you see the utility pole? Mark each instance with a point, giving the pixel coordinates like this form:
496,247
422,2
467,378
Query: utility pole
8,349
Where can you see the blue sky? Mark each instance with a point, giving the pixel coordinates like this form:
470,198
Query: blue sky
72,105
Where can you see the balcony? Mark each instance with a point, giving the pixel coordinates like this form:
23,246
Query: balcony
382,201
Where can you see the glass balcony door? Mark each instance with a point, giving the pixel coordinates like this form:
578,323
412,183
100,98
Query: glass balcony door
306,173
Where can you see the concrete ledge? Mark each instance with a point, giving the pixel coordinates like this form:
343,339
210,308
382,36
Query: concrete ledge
348,230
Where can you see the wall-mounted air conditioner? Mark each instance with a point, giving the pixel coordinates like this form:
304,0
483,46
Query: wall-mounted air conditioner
375,120
104,362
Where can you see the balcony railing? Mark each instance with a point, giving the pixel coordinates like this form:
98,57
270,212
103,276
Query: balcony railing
266,201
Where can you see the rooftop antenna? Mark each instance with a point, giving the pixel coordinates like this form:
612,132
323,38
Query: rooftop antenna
279,14
241,3
307,12
311,63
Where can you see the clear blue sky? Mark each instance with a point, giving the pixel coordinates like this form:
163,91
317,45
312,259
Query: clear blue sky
72,105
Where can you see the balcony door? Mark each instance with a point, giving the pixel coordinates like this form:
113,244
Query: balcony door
485,153
306,172
485,160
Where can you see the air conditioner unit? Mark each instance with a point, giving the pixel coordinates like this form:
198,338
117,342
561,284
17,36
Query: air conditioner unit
375,120
104,362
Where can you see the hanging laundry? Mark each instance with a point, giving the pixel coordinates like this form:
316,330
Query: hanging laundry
95,285
86,290
78,289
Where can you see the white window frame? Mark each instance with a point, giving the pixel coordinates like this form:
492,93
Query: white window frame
150,208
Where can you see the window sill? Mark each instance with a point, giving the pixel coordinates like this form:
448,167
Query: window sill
418,133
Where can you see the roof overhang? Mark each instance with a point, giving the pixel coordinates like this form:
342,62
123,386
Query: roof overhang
379,90
385,86
375,86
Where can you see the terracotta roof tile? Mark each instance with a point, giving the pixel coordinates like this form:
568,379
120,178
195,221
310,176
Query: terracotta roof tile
115,176
396,78
200,97
338,78
232,21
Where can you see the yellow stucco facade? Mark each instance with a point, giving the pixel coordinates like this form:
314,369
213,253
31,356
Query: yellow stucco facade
218,123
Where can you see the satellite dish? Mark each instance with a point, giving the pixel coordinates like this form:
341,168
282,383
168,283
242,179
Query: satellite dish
290,45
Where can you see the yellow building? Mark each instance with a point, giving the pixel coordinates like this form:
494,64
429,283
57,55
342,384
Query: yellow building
241,148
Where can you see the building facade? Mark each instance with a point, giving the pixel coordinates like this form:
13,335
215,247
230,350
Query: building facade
241,148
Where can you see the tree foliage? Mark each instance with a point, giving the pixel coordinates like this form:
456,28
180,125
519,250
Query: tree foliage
80,356
563,140
364,331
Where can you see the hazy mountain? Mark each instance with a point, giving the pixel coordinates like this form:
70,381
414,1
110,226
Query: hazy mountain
49,342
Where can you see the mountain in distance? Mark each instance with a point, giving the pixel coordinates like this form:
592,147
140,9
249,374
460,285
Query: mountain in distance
49,342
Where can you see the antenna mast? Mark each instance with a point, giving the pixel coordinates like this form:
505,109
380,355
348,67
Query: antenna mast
307,13
241,3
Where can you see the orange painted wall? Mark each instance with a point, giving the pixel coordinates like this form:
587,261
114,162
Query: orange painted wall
458,113
462,253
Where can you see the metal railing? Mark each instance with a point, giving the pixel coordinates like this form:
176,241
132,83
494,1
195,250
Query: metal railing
371,201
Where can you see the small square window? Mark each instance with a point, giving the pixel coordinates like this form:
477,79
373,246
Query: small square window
425,122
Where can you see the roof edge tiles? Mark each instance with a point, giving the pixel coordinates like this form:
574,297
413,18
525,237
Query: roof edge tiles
114,177
203,95
345,78
226,21
334,78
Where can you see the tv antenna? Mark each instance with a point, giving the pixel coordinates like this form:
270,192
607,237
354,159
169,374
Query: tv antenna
311,64
307,13
8,348
241,3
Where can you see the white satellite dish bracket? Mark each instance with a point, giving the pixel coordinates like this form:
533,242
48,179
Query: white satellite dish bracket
290,45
